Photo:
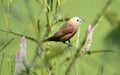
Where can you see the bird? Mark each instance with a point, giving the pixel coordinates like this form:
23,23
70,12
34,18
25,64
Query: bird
66,32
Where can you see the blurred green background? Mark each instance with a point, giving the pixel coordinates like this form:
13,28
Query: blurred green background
21,16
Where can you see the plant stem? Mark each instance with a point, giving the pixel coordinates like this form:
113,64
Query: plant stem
21,35
6,44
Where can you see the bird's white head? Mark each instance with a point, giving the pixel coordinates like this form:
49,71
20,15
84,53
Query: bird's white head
75,20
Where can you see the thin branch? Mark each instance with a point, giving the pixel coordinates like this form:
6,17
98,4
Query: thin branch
6,44
51,5
3,55
48,28
20,35
98,18
98,51
41,9
8,14
59,3
38,29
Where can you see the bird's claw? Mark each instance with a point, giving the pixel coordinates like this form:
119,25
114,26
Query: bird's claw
69,44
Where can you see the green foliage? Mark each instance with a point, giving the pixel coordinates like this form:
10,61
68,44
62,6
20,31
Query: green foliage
39,19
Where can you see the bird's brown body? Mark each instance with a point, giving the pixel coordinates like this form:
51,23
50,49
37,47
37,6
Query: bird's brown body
65,32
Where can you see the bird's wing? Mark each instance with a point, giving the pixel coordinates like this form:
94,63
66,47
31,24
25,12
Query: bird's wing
64,30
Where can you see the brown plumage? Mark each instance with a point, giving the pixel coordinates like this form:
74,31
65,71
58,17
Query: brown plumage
66,31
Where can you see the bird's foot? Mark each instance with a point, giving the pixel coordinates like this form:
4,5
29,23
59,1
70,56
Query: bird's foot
69,44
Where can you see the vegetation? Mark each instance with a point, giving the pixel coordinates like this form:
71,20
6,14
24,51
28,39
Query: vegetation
92,53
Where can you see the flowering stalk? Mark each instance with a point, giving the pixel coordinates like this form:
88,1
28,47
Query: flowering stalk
88,41
23,51
18,65
89,37
21,57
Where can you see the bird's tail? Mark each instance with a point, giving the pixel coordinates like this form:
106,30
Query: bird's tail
51,39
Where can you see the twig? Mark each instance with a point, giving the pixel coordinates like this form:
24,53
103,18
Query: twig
21,35
8,22
74,63
2,63
6,44
38,29
98,51
51,5
59,3
98,18
47,19
79,53
42,6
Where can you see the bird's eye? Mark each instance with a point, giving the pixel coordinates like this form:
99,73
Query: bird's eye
77,20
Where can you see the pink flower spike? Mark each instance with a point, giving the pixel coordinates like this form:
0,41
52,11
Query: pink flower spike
23,42
18,64
89,29
18,54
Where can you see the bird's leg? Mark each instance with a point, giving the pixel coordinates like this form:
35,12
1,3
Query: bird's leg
69,43
65,42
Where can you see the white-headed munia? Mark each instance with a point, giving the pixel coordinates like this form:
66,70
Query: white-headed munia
67,31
